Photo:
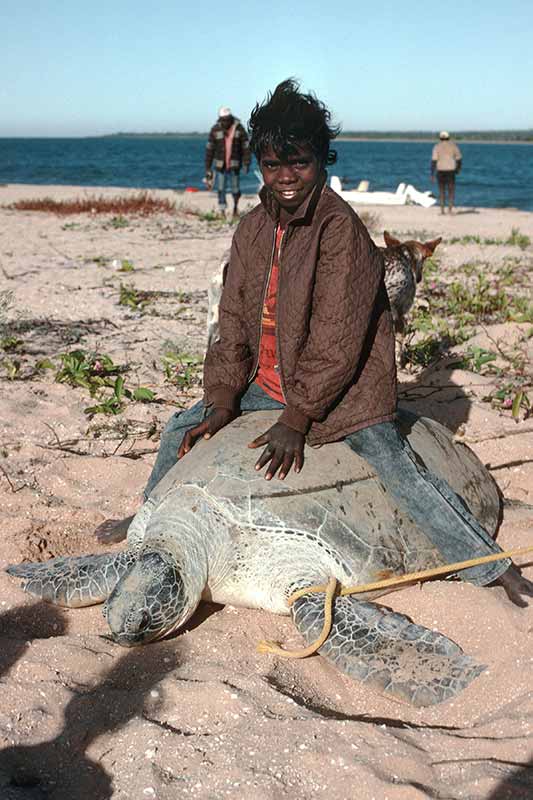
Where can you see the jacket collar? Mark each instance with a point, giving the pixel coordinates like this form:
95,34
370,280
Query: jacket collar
303,213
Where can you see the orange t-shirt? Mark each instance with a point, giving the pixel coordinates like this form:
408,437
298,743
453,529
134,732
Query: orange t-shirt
268,369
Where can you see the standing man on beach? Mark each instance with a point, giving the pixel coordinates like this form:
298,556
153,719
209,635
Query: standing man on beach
446,161
229,148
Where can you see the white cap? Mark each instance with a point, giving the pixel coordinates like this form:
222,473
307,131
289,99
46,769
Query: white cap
444,135
224,111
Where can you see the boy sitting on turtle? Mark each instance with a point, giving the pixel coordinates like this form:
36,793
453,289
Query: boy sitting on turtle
305,327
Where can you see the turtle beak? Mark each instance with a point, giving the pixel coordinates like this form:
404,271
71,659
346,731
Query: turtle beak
149,602
136,628
127,641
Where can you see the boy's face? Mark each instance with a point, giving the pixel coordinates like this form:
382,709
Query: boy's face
290,178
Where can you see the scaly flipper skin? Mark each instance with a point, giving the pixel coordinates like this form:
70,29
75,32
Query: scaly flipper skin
386,651
74,582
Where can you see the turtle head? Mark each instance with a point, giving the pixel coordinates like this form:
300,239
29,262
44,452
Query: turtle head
150,601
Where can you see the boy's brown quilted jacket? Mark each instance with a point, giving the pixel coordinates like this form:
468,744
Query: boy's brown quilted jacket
334,329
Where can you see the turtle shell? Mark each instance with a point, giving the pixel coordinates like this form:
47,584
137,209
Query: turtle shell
336,498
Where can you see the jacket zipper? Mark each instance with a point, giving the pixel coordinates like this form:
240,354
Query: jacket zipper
255,367
278,351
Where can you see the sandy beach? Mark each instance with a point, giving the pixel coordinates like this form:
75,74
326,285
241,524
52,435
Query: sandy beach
204,714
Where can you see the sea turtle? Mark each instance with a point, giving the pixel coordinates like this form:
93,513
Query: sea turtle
214,528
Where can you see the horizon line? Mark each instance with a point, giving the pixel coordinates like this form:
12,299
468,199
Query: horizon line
524,133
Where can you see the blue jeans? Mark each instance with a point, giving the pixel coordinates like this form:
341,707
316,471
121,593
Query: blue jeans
223,178
255,399
428,500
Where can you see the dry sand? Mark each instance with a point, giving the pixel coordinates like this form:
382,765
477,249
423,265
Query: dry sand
203,714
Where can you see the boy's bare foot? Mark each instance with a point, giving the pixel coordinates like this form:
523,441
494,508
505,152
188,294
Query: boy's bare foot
515,585
113,530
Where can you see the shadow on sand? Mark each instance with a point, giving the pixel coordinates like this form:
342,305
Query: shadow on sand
59,769
434,394
518,785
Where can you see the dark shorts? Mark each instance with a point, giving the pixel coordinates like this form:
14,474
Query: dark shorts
446,177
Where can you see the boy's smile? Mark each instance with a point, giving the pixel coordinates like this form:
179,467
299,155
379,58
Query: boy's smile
290,178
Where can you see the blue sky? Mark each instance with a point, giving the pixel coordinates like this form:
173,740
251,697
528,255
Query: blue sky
78,68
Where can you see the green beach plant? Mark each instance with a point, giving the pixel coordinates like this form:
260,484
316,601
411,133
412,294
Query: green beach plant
519,239
211,216
515,239
428,349
132,297
100,261
10,343
182,370
476,359
97,372
89,370
119,222
12,368
114,403
512,396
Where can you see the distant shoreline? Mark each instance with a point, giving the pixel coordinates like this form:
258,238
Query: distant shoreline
349,137
433,140
463,137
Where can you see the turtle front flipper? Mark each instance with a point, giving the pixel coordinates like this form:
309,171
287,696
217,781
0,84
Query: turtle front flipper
386,651
74,582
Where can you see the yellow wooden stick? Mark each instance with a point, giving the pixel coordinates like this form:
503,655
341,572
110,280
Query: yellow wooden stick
398,580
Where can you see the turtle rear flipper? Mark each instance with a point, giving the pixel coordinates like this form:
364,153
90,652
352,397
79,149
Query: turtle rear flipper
74,582
386,651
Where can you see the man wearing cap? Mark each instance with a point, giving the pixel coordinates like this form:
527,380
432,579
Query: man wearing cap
446,160
229,148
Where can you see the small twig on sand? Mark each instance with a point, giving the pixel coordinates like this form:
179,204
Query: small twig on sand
500,435
119,445
65,448
60,252
429,387
8,479
135,454
56,437
513,502
518,462
496,344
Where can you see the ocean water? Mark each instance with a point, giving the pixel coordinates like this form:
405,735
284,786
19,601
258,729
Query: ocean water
493,175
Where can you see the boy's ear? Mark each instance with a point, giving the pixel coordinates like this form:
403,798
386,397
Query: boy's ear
390,241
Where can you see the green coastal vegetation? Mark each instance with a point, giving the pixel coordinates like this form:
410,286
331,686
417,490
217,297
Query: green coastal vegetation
464,136
517,136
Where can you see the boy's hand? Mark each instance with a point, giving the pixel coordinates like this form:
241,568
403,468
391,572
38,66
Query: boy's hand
285,447
217,419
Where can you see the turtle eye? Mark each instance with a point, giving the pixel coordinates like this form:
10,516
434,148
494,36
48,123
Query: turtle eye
144,621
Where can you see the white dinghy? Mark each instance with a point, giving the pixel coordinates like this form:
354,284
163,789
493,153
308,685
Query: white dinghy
404,194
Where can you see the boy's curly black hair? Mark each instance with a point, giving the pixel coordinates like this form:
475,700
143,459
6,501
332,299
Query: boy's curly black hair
287,119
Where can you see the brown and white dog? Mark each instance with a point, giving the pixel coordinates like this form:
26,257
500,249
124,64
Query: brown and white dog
404,262
403,270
